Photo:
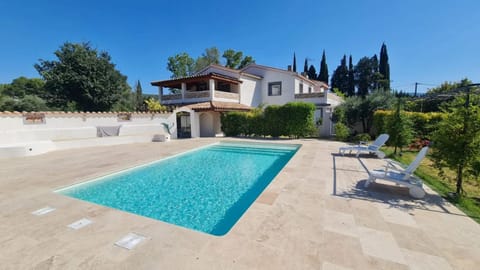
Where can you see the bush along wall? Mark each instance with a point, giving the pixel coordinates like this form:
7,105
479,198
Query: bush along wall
294,119
423,123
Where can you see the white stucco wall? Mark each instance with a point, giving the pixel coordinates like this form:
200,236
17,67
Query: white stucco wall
306,85
269,76
250,93
71,126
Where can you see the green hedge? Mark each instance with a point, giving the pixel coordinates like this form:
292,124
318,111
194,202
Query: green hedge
292,119
423,123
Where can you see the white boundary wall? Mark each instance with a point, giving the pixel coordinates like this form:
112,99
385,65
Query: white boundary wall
61,130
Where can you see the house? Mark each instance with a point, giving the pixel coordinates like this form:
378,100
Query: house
201,98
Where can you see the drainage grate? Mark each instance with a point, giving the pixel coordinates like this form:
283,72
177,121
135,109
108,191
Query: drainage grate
43,211
80,223
130,240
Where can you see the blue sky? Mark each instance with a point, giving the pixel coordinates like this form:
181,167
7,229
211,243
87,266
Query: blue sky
428,41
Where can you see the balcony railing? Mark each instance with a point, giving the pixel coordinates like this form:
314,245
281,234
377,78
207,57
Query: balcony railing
310,95
171,96
227,95
198,96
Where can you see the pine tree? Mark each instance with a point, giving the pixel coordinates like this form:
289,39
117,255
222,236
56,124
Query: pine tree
294,63
384,68
312,73
340,76
138,97
305,66
351,78
323,74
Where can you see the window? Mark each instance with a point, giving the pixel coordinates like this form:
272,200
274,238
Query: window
275,89
301,88
309,90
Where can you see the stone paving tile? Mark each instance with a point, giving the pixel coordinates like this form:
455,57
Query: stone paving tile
420,261
380,244
367,215
397,216
331,266
413,239
340,223
341,250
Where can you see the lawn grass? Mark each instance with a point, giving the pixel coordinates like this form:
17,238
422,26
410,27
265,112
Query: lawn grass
443,185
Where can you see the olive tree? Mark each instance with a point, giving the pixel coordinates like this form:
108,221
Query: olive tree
457,138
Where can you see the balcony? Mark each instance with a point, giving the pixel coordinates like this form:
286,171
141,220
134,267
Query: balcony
200,88
199,96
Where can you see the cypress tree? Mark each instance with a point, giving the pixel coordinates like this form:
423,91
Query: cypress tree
305,66
384,68
312,73
351,78
323,74
376,77
138,97
294,63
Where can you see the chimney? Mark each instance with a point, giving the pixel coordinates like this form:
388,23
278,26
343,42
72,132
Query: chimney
289,67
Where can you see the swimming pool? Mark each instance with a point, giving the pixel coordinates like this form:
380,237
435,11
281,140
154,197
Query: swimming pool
207,189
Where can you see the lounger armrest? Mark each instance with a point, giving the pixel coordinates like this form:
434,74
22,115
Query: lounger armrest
393,165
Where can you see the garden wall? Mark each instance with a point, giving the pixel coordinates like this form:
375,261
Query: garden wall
39,132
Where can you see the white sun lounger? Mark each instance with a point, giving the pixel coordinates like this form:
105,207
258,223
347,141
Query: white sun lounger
394,172
372,148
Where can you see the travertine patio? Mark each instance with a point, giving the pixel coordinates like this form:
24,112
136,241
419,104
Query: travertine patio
314,215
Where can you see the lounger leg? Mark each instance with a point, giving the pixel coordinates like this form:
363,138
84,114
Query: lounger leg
369,180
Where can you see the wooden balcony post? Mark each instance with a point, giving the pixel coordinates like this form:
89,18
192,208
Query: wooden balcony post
211,86
160,94
184,88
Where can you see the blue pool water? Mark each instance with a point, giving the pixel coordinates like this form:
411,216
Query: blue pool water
207,189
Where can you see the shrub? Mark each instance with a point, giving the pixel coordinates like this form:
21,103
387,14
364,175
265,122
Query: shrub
153,105
342,132
362,137
292,119
234,123
299,118
273,118
256,123
423,124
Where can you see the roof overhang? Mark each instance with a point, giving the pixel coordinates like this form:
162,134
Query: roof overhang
197,78
218,106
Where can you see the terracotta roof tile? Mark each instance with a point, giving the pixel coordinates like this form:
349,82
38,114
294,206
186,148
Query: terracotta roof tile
219,106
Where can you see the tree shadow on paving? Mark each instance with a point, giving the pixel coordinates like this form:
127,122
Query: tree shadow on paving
390,194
